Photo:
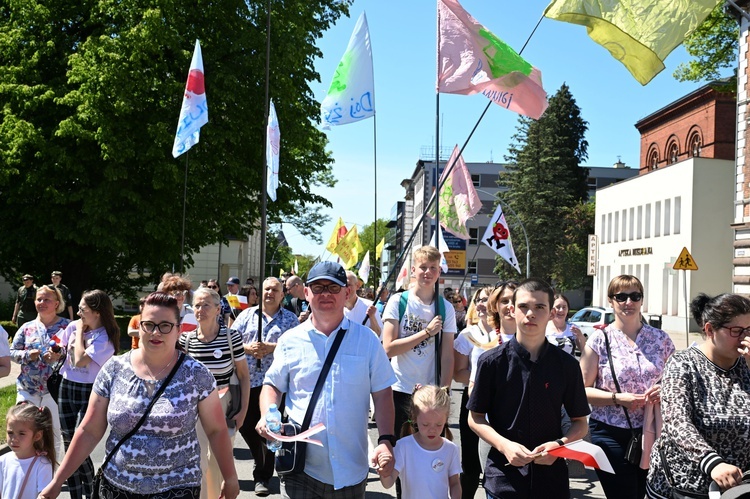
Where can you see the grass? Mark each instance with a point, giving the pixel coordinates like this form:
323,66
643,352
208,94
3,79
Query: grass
7,400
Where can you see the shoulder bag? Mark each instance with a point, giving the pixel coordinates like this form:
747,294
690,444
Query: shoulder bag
100,474
55,378
290,459
635,447
235,392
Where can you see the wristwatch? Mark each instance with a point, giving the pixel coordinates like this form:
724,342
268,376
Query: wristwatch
389,438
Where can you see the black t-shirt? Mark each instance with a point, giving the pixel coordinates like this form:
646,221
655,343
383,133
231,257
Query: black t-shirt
523,401
67,298
25,299
297,306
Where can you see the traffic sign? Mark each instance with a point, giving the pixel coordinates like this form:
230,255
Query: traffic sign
474,279
685,261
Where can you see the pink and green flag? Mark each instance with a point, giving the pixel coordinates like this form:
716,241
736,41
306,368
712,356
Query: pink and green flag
473,60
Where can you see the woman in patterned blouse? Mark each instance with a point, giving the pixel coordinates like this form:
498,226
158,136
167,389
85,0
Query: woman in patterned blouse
162,459
639,353
706,404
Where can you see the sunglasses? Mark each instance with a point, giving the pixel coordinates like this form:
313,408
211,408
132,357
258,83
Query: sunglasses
212,287
635,296
455,302
737,331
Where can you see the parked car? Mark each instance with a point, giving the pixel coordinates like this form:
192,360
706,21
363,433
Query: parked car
589,318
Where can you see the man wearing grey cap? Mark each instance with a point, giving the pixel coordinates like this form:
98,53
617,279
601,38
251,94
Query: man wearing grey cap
360,367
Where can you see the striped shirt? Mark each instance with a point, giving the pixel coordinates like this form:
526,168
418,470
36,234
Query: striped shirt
215,354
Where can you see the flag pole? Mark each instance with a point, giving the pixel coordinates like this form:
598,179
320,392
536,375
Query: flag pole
375,170
439,336
184,208
400,258
264,174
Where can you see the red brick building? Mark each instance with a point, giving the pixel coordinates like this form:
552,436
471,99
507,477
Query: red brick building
700,124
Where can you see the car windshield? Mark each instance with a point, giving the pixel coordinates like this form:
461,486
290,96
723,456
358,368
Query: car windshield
581,315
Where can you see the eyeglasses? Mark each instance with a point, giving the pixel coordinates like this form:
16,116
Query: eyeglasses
482,300
175,294
212,287
456,302
737,331
635,296
82,311
27,279
317,289
163,327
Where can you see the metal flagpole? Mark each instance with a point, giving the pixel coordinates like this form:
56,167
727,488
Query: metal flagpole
439,336
264,175
184,209
375,175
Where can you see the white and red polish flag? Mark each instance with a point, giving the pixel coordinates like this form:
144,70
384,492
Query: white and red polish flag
592,456
194,112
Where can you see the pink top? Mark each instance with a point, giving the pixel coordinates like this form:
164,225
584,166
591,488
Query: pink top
638,367
98,347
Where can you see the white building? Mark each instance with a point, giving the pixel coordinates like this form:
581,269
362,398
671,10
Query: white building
642,225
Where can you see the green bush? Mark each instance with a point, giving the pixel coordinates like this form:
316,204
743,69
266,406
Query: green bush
6,306
10,328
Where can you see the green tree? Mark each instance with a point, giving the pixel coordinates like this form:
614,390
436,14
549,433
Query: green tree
572,251
713,47
90,93
367,238
544,180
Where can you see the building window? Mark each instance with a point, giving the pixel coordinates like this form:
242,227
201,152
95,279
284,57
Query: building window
677,214
657,219
609,227
695,142
632,223
603,228
667,216
473,235
639,234
652,158
647,221
673,151
476,179
617,225
624,225
472,267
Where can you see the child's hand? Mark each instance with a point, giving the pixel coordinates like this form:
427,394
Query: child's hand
435,326
517,454
541,455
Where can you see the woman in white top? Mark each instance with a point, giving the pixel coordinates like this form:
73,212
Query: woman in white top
560,332
469,345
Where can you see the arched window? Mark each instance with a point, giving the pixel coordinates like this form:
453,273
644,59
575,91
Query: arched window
652,158
673,150
695,144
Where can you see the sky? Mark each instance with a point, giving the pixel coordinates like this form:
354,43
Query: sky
403,38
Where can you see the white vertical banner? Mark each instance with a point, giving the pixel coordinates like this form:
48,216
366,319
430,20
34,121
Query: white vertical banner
497,237
273,144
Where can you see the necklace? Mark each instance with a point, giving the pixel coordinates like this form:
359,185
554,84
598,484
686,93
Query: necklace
153,381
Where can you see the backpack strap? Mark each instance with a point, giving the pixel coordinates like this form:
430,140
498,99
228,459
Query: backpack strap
404,298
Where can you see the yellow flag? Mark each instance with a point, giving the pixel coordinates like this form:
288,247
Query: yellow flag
349,248
281,273
379,249
638,33
338,233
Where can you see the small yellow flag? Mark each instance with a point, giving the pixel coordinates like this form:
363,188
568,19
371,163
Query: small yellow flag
349,248
338,233
379,249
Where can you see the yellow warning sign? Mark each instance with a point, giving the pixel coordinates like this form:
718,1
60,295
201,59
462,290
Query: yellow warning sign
685,261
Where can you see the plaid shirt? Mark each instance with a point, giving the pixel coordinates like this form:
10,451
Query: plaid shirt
247,325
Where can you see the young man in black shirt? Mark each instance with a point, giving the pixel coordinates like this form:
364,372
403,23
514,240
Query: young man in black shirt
516,403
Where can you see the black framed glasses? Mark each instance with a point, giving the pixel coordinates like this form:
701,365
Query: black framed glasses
635,297
212,287
737,331
317,289
163,327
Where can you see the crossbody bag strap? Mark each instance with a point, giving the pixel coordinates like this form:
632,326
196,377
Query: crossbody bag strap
614,376
148,410
231,348
26,477
322,378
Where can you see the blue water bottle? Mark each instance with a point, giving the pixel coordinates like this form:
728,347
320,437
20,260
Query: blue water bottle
273,423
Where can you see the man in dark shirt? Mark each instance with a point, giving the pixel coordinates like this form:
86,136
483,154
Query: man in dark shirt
516,403
66,294
25,310
297,305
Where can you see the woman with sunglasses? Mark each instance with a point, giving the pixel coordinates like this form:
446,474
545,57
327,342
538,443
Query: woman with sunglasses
90,342
706,404
469,345
636,353
162,459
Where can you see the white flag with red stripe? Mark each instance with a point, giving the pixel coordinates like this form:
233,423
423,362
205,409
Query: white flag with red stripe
592,456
